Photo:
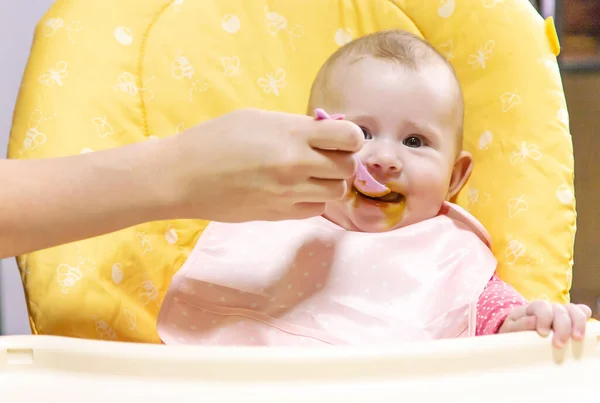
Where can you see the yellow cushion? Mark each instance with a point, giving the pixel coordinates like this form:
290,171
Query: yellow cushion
112,72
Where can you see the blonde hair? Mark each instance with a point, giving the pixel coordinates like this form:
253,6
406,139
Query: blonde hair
397,46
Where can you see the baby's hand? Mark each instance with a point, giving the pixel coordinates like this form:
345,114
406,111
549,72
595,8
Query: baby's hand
565,320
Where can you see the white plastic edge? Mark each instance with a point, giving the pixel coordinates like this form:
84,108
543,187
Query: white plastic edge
418,360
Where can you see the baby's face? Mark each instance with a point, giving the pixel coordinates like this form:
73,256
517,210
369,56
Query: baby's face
411,121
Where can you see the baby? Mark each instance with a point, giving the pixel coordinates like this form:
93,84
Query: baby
407,266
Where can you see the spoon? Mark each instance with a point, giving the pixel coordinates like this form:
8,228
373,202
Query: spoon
363,181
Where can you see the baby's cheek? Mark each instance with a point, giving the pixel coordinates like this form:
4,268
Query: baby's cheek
427,195
430,186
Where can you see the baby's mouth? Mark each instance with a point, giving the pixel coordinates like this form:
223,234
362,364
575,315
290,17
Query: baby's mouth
392,197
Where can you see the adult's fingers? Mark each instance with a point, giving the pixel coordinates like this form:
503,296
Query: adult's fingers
333,164
542,310
578,321
338,135
301,211
316,190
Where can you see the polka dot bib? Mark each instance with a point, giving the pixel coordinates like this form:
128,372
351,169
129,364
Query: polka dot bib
310,282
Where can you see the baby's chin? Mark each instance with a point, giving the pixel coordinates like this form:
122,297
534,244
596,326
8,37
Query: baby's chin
375,226
367,217
359,214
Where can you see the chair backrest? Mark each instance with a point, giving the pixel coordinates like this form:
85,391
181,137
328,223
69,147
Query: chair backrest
107,73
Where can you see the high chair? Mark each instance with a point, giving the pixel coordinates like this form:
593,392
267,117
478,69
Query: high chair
113,72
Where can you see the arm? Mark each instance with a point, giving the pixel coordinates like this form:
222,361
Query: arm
280,166
496,301
48,202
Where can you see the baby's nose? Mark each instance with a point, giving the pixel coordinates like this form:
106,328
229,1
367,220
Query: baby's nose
384,166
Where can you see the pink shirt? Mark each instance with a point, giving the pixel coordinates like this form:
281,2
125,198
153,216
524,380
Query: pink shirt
494,304
310,282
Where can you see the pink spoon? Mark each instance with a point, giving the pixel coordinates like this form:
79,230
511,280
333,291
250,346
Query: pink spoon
363,181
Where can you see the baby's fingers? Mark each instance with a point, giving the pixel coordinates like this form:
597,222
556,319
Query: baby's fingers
544,314
562,325
578,320
586,310
522,324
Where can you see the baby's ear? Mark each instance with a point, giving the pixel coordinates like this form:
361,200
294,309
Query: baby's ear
460,173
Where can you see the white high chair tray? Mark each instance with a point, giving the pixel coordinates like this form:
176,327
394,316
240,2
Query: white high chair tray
513,368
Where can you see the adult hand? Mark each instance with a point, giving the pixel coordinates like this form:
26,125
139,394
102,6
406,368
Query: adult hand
247,165
566,321
260,165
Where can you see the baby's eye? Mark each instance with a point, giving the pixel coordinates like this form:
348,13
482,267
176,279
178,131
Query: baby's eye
366,133
413,142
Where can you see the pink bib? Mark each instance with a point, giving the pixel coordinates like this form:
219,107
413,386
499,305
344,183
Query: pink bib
310,282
